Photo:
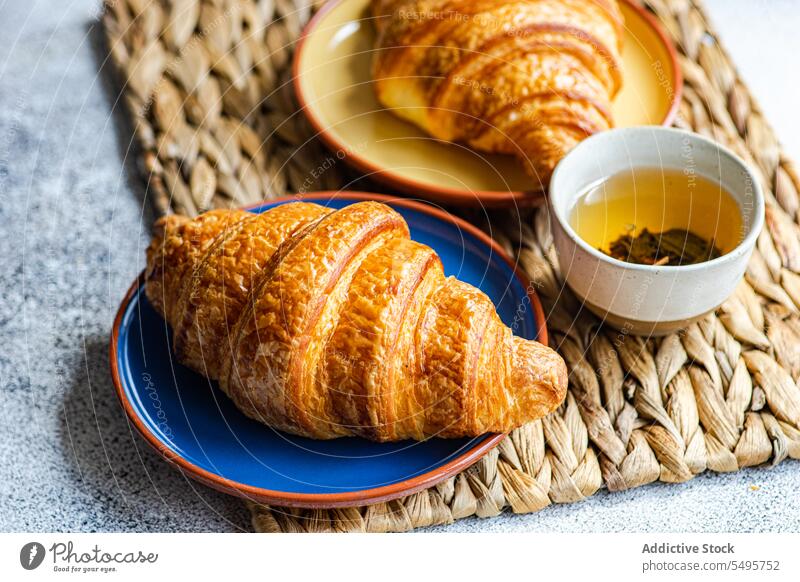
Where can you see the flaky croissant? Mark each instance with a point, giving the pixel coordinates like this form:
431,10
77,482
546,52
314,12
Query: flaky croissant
524,77
335,323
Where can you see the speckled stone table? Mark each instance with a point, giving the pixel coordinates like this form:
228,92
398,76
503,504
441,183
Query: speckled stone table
73,228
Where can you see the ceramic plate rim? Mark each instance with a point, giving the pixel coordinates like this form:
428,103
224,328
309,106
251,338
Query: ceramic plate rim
326,500
450,195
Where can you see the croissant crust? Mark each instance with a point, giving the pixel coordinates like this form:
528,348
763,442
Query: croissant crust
328,324
524,77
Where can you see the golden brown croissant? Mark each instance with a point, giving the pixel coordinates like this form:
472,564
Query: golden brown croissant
524,77
335,323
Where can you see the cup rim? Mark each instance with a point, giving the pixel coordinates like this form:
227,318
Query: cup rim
747,242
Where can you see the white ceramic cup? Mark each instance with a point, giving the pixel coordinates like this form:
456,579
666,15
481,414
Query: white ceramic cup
646,299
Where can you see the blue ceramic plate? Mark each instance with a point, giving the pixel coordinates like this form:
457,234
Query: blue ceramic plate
196,427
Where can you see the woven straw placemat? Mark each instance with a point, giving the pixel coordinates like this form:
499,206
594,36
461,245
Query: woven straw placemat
207,85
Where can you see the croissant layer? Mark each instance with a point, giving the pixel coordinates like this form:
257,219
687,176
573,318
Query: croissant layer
335,323
524,77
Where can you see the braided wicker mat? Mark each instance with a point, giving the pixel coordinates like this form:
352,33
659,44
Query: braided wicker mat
207,87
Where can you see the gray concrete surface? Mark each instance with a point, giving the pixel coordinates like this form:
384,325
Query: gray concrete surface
73,225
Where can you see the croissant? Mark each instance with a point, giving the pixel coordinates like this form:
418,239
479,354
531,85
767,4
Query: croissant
329,323
530,78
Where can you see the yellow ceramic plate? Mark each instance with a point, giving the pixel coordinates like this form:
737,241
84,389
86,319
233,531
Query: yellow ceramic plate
332,76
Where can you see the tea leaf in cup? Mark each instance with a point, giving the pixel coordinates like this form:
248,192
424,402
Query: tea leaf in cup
673,247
